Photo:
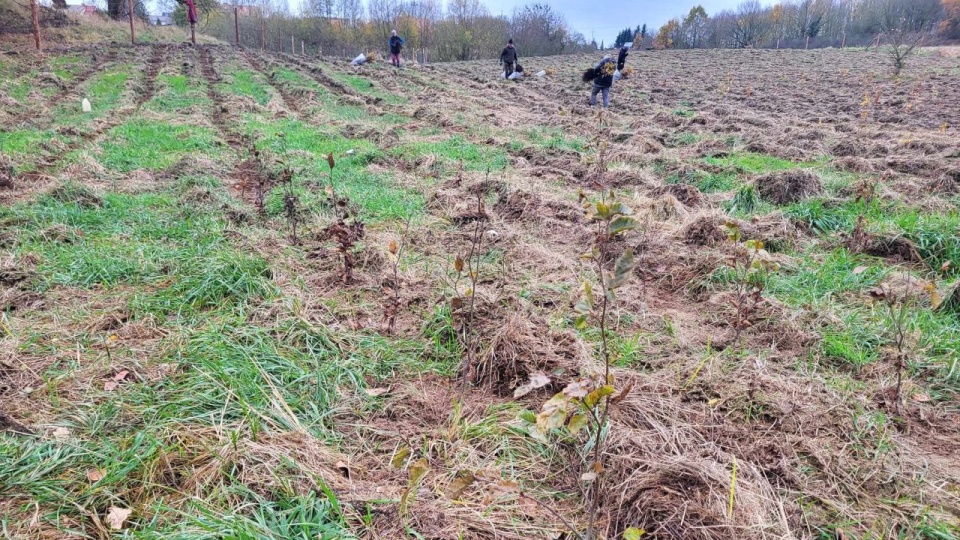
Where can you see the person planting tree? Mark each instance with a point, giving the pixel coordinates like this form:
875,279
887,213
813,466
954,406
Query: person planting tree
602,77
622,57
509,57
396,47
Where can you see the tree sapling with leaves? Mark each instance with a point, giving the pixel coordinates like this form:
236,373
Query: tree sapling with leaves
585,403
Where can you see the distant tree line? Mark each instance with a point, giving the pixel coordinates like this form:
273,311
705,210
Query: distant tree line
810,23
463,30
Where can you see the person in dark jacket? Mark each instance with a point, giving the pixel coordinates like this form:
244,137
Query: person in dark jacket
508,58
603,80
396,47
622,58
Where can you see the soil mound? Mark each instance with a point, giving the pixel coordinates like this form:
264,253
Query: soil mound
705,231
846,148
517,205
854,164
689,195
73,193
791,186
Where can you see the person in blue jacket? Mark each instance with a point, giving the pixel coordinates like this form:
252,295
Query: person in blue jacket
396,47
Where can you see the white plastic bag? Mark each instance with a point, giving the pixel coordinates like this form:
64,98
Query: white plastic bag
541,73
359,60
516,75
617,75
85,105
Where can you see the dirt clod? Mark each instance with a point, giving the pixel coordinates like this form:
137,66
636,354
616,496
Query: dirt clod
790,186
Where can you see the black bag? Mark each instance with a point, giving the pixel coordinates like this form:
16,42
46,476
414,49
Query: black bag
590,74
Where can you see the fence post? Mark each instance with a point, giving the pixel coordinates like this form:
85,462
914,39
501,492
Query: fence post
133,36
236,25
36,22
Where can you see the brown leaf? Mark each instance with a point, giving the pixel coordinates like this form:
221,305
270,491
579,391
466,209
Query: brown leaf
458,264
622,395
117,516
503,487
921,398
343,468
463,480
96,475
375,392
330,161
110,386
394,247
121,375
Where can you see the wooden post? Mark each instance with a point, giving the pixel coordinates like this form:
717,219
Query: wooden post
236,25
263,34
302,53
193,34
292,44
133,36
36,22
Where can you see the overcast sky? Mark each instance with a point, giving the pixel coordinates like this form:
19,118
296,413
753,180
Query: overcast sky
605,18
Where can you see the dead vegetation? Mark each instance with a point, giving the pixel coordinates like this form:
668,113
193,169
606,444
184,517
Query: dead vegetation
694,402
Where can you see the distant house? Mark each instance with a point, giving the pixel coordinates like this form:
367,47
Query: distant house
82,9
242,9
628,44
163,19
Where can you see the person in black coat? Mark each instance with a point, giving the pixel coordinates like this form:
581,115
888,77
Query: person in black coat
622,58
603,81
508,58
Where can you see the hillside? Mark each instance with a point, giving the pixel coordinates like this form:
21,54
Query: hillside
270,296
60,29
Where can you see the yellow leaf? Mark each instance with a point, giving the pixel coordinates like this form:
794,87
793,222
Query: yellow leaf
553,413
594,397
633,533
400,457
577,422
418,470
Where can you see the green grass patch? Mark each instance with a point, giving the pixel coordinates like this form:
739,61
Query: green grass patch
368,87
551,137
754,163
452,151
247,83
178,92
154,145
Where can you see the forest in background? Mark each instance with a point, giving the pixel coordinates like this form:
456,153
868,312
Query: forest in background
467,30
